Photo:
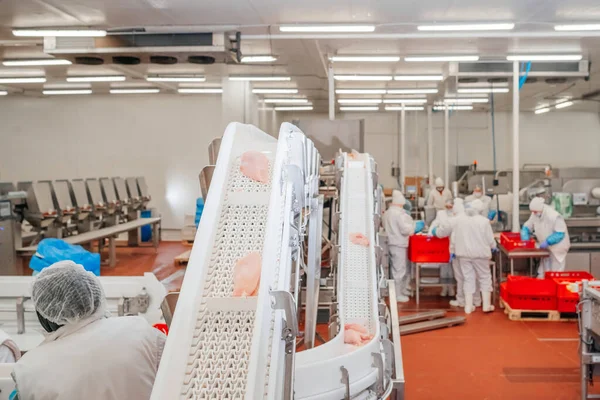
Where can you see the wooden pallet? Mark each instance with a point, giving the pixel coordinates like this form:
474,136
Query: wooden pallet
183,258
536,315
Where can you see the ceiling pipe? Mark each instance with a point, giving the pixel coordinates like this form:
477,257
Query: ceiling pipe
421,35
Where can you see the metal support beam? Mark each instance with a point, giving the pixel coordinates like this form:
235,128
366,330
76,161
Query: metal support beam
515,146
446,146
430,143
331,93
402,147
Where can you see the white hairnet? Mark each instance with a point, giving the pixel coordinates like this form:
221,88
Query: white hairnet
458,208
439,182
537,204
474,207
398,198
65,293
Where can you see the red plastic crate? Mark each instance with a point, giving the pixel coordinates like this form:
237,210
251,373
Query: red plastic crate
527,302
504,291
425,249
567,300
524,285
512,241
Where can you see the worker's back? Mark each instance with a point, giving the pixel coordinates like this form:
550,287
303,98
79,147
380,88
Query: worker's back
398,226
108,359
473,237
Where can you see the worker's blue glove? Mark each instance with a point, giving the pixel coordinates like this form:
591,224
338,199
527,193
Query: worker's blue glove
525,233
555,238
544,244
419,225
492,214
452,257
434,231
13,395
494,250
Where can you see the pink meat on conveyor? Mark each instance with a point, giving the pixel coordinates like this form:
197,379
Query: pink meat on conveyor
356,327
246,275
356,335
255,165
359,239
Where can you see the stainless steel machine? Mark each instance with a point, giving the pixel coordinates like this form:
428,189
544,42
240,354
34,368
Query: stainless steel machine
113,205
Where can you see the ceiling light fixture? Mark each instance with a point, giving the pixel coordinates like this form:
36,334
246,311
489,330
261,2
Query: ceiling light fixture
36,62
364,58
58,32
40,79
412,91
174,78
107,78
327,28
564,104
258,59
441,58
360,91
465,100
301,108
274,91
359,101
544,57
399,108
71,91
134,91
483,90
3,92
577,27
453,108
542,110
468,27
418,78
363,77
289,101
359,108
405,101
260,78
199,90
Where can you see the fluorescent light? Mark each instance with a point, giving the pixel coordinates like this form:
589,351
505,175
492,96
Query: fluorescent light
359,101
468,27
441,58
412,91
577,27
466,100
564,104
289,101
23,80
301,108
175,79
359,108
453,108
327,28
199,90
365,58
399,108
134,91
58,32
483,90
542,110
418,77
38,62
71,91
545,57
260,78
274,91
3,92
108,78
405,101
362,77
360,91
258,59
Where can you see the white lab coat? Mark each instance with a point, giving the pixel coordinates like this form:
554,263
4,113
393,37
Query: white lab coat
440,217
486,200
96,359
9,351
438,200
399,226
473,238
550,221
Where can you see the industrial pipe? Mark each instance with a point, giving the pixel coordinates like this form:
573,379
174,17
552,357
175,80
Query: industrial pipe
402,147
515,197
430,144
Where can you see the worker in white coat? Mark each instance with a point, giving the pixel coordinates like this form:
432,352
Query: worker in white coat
399,226
86,354
473,246
9,351
485,200
551,231
445,268
438,197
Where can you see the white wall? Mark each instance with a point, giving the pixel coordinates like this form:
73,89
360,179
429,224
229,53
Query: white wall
162,137
564,139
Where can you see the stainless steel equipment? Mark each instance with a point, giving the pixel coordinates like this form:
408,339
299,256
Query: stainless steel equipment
64,206
40,211
10,236
143,190
113,205
134,193
81,201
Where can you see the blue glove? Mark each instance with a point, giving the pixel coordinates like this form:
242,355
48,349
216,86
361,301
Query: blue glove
419,225
433,232
13,395
452,257
555,238
494,250
492,214
525,233
544,244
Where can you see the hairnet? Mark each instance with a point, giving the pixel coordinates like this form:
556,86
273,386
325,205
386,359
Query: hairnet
65,293
537,204
439,182
474,207
478,188
398,198
458,208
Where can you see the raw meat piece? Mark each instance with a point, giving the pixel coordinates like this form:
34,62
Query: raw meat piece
356,335
246,275
255,165
356,327
352,337
359,239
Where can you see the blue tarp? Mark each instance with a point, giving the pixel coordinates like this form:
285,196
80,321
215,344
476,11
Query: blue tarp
50,251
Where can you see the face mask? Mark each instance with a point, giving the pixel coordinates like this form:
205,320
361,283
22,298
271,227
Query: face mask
477,195
440,189
538,214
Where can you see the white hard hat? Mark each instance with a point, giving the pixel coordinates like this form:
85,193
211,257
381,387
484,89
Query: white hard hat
439,182
537,204
398,198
